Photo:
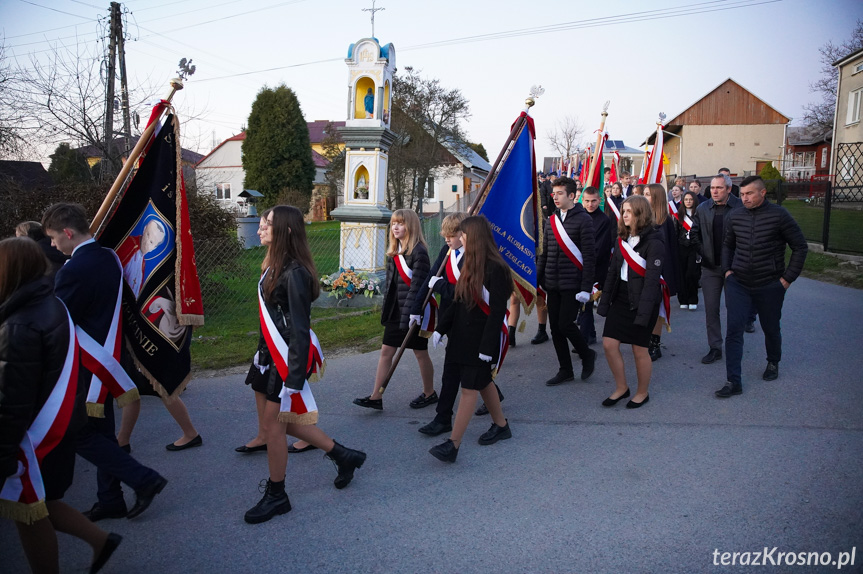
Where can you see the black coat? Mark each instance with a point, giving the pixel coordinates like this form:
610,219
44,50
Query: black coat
671,266
444,288
603,235
755,241
702,225
645,293
408,299
290,306
545,198
470,331
34,338
555,270
687,238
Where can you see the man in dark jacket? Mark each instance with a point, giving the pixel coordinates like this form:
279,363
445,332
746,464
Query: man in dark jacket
545,195
568,237
709,226
753,262
88,284
603,235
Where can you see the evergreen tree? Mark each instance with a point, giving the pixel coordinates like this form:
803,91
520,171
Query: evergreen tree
69,166
277,155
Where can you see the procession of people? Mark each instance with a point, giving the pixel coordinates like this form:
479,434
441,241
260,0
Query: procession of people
622,263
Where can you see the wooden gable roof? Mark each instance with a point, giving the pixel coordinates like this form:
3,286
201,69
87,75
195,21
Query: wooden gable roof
729,104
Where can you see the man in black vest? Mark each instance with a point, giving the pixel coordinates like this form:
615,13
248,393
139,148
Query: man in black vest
566,283
88,284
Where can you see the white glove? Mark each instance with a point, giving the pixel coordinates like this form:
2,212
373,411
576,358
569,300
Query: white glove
583,297
485,358
433,279
415,320
437,339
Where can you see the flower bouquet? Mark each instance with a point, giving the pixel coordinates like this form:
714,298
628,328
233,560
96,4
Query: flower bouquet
347,284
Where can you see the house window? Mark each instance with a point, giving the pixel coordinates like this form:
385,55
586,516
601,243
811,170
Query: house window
223,191
809,158
853,115
846,170
858,68
824,158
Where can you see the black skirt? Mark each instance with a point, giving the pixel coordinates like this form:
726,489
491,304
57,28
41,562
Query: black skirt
259,382
393,337
620,322
475,377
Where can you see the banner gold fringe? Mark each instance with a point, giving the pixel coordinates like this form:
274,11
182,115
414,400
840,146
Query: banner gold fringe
309,418
664,322
315,377
22,512
522,326
155,384
96,410
530,288
128,397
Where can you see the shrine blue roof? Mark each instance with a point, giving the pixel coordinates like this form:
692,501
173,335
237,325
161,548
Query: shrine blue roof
384,50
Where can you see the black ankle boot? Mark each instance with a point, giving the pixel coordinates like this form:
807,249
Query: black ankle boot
275,501
347,461
512,336
653,348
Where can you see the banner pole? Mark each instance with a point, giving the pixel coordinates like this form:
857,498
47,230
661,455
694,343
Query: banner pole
176,85
598,150
483,191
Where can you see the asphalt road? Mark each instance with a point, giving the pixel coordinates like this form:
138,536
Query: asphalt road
579,488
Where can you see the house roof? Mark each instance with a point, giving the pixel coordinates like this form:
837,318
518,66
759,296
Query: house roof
805,135
320,161
28,174
316,136
845,59
618,146
186,155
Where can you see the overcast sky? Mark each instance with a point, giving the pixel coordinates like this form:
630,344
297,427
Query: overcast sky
645,57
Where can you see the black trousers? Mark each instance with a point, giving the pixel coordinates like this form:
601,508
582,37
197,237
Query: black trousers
562,312
450,380
691,272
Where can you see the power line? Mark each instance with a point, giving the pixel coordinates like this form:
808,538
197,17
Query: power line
54,9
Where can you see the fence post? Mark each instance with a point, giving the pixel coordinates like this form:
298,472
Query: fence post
828,201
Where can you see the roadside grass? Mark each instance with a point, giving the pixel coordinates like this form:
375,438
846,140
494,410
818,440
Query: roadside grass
846,225
827,268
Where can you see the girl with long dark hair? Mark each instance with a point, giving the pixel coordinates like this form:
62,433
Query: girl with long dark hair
283,366
689,245
475,325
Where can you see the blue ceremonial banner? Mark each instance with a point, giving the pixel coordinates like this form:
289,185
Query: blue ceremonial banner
512,208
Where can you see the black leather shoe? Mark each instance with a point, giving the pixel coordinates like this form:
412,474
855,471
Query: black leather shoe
634,405
247,449
494,434
347,460
370,403
445,451
512,336
111,544
588,365
481,411
275,501
750,327
609,402
540,337
294,450
197,441
729,390
146,495
711,357
771,373
423,401
435,428
99,512
560,378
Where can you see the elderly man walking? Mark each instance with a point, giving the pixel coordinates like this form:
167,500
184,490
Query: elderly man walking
753,261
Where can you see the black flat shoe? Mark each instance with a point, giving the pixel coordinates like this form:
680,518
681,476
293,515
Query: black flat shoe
560,378
99,512
771,373
111,544
197,441
729,390
294,450
423,401
481,411
145,496
369,403
435,428
609,402
247,449
539,338
446,451
634,405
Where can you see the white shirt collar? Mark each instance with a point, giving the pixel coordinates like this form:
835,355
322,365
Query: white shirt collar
83,243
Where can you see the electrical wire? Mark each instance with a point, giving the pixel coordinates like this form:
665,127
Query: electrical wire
54,9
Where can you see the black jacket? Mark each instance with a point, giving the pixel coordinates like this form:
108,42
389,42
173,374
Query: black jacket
470,331
290,306
444,288
545,198
409,301
702,225
671,267
755,241
555,270
602,246
645,293
687,238
34,338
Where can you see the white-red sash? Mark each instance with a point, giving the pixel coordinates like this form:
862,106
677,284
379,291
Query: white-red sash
614,208
504,331
638,264
565,241
430,311
103,360
298,406
23,494
451,269
686,221
672,208
279,347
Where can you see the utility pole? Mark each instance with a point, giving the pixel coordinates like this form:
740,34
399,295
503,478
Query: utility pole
109,91
124,84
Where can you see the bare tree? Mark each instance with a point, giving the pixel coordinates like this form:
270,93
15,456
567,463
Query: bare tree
820,114
566,136
13,123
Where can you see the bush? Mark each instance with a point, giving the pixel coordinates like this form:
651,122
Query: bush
773,180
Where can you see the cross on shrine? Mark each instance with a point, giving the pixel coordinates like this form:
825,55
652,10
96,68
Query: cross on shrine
373,10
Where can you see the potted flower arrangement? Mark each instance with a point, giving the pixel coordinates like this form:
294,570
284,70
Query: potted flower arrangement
347,284
362,192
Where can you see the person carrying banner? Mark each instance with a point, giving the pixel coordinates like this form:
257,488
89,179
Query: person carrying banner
565,270
631,298
690,261
659,204
288,355
87,284
602,247
475,324
41,410
407,273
